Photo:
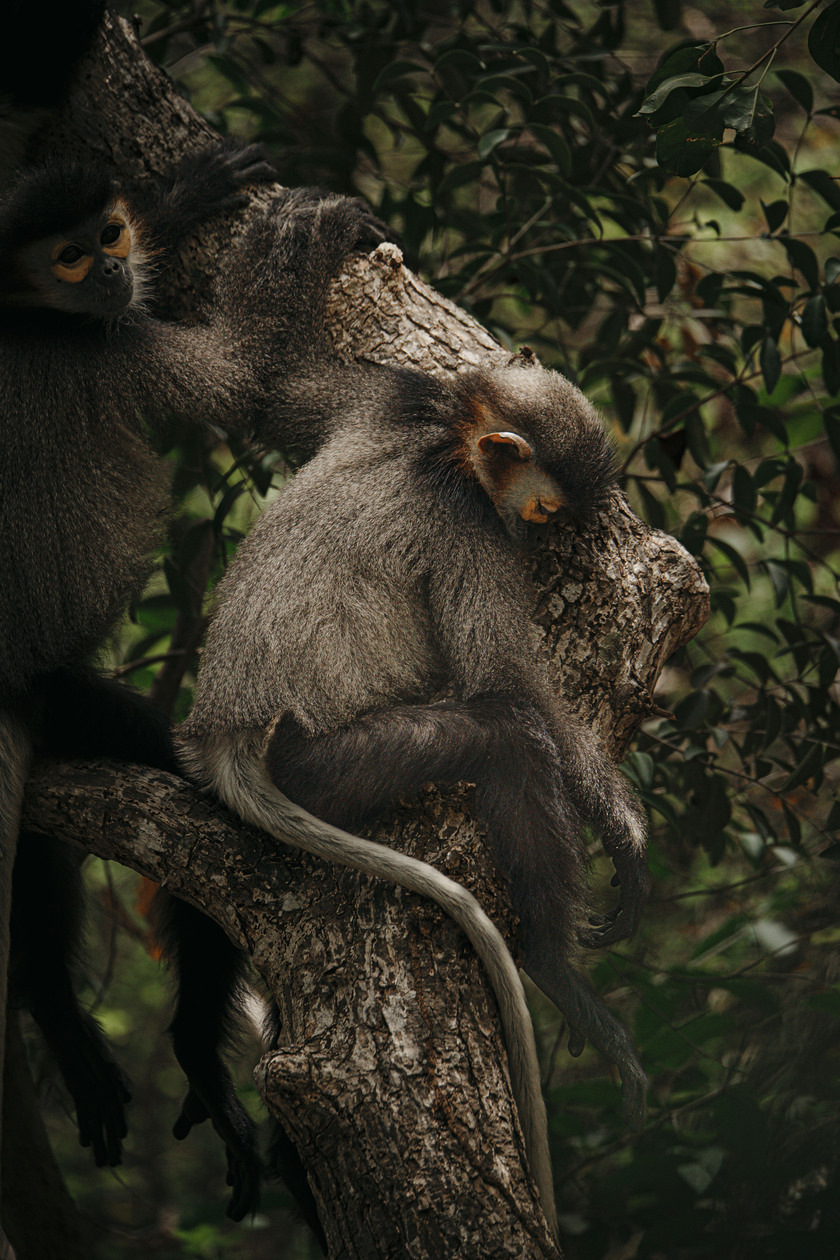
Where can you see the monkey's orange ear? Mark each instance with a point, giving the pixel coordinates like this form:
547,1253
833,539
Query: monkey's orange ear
518,446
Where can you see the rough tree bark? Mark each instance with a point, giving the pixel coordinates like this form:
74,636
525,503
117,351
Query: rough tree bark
392,1077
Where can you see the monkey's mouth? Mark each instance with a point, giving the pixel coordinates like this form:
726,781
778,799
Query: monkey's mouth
114,299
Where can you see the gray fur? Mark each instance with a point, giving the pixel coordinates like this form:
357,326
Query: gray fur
358,591
384,576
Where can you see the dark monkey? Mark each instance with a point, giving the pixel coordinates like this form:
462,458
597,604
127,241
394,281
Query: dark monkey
83,504
84,365
388,573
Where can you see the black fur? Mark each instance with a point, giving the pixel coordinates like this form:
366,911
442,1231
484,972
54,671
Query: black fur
46,931
209,972
58,33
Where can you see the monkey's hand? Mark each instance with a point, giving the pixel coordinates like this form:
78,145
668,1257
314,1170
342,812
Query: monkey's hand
203,185
334,225
631,876
217,1102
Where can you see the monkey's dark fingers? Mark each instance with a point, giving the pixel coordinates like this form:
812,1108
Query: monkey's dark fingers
235,1128
99,1089
622,922
576,1043
243,1176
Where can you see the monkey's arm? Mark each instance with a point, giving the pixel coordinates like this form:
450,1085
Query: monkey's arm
479,606
282,272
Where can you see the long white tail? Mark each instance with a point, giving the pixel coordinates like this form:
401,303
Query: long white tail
234,772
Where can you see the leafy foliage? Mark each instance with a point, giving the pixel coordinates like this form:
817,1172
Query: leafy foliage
648,205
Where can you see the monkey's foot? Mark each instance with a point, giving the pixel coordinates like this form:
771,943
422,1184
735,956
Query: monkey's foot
99,1089
620,923
214,1099
589,1020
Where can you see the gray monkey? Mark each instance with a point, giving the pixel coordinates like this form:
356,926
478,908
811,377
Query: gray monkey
342,621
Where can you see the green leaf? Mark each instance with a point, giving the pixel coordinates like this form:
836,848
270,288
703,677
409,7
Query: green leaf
771,363
492,139
398,70
743,490
775,213
822,183
832,429
779,579
463,173
460,59
810,765
824,40
556,146
657,98
814,321
700,58
734,557
758,131
680,152
803,258
664,272
798,86
831,367
832,270
730,195
693,536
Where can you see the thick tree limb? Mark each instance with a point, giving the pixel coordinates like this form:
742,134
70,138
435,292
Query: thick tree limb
392,1079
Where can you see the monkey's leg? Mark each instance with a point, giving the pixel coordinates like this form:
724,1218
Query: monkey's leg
46,928
209,972
88,715
502,745
495,741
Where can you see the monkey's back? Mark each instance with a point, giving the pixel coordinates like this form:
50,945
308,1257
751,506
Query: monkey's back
322,613
82,497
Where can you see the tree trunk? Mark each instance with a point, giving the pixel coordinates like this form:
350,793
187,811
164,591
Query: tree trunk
392,1077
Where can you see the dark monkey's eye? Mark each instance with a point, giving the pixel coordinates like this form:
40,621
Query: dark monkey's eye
110,234
69,255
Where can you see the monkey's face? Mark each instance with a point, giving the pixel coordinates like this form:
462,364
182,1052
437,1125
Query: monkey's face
87,270
523,493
